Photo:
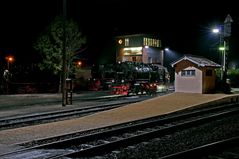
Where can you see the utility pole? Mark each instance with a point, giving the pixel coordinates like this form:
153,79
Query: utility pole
64,68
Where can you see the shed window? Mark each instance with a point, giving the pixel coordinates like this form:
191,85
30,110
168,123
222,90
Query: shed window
188,73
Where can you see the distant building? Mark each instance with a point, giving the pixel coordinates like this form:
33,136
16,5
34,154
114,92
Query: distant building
194,74
139,48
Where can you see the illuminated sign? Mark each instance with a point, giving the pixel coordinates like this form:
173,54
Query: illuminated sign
120,41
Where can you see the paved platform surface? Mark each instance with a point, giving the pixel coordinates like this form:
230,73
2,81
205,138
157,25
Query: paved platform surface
145,109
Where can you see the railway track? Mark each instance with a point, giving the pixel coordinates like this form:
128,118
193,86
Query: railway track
53,100
223,149
103,141
39,118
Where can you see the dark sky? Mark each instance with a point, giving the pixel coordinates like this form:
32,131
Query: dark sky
183,26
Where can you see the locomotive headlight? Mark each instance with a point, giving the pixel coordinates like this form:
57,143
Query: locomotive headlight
161,88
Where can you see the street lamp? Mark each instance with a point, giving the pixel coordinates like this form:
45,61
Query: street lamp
163,55
79,63
7,74
9,60
215,30
219,31
224,33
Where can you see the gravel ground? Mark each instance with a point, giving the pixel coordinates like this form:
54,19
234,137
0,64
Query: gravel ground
149,108
183,140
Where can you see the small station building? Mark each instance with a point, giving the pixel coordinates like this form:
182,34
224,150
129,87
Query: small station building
194,74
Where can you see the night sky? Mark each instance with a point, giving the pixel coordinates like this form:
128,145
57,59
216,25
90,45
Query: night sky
182,26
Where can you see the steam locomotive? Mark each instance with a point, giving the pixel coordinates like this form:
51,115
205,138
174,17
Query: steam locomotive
129,77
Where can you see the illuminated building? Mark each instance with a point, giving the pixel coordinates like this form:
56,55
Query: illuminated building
139,48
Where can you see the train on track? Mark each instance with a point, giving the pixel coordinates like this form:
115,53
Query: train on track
129,77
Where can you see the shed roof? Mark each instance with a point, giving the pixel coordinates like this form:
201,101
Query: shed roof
200,61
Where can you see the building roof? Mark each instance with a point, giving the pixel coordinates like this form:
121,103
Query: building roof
137,35
200,61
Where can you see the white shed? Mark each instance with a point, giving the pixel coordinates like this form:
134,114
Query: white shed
194,74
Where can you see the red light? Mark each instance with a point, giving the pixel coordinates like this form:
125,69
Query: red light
79,63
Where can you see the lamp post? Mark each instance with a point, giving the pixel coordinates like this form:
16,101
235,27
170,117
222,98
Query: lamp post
224,33
7,74
219,31
163,55
64,67
9,60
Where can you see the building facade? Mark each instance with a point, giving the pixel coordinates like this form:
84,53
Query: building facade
194,74
139,48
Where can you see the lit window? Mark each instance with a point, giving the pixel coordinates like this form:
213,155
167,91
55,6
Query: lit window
145,41
188,73
151,42
158,43
126,41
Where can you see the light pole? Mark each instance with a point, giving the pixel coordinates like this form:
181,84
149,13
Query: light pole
9,60
224,33
64,67
163,55
219,31
7,74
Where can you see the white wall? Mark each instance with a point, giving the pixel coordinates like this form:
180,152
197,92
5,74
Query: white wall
192,84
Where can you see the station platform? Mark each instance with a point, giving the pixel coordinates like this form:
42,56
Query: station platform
149,108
